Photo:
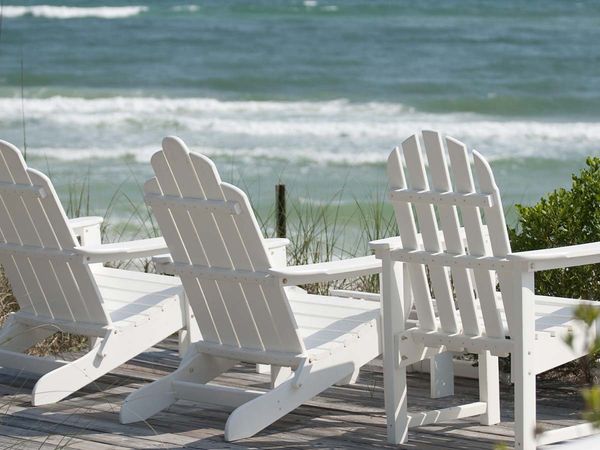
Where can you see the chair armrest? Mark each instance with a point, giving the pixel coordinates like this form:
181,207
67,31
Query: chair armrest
123,250
327,271
162,263
87,229
79,224
274,243
389,243
557,258
277,249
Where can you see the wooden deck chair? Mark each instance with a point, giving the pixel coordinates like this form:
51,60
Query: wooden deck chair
60,286
247,304
484,294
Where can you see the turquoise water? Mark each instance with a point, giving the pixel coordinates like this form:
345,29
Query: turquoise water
314,93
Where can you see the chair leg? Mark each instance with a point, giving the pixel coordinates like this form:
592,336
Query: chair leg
351,379
489,388
442,375
396,405
525,403
257,414
109,352
62,382
523,363
190,333
154,397
279,374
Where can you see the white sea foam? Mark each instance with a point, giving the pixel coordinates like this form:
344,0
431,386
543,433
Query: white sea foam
324,133
72,12
185,8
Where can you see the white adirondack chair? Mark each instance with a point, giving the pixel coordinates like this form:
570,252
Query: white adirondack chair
247,304
60,287
469,313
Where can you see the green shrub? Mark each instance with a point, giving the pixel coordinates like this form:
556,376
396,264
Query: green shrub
564,217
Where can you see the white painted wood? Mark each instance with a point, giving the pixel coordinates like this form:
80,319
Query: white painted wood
522,361
441,197
489,387
446,414
408,233
566,433
279,374
235,285
58,291
451,228
156,396
27,363
394,311
214,394
442,375
484,282
18,337
480,251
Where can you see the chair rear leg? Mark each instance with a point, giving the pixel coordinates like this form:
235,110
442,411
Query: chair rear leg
279,374
441,375
351,379
489,388
190,333
154,397
255,415
62,382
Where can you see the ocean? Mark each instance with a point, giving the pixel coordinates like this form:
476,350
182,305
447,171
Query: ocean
310,93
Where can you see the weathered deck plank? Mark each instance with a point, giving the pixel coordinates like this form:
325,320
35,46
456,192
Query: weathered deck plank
349,417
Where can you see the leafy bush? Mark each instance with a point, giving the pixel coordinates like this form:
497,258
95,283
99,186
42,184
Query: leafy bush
564,217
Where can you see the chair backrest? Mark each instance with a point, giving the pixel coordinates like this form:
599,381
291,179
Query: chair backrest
210,228
35,239
436,189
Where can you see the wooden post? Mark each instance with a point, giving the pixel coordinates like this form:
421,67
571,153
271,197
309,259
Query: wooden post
280,212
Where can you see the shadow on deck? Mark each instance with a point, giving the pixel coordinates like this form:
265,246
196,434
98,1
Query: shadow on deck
348,417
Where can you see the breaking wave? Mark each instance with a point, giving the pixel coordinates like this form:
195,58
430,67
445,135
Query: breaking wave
72,12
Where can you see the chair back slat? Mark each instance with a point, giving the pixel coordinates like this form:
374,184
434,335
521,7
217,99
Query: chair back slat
474,231
496,224
440,178
167,221
242,313
184,225
408,233
440,282
247,252
51,286
453,197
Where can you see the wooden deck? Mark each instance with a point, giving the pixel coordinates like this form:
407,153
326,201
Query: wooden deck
343,417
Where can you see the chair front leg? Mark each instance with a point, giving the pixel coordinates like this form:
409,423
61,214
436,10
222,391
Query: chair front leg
394,313
523,333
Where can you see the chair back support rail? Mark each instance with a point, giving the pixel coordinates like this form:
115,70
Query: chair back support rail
219,252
